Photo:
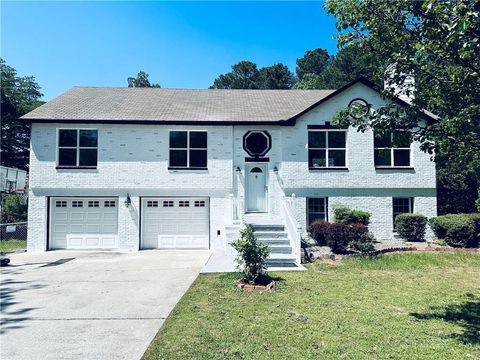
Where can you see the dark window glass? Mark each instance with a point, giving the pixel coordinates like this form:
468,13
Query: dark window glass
67,138
88,157
400,140
178,158
316,209
178,139
198,158
336,157
256,143
88,138
67,157
198,139
401,157
383,157
382,139
336,139
401,206
317,158
317,139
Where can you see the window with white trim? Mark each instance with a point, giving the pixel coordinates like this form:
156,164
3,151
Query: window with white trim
109,203
327,149
167,203
77,203
392,149
188,149
60,203
401,205
93,203
200,203
316,209
77,148
152,203
184,203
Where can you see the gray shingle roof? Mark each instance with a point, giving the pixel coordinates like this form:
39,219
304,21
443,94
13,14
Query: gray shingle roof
171,105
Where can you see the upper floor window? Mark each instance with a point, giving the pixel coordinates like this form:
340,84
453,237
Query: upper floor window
77,148
188,149
327,149
392,150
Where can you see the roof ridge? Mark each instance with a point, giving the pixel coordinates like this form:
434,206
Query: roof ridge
194,89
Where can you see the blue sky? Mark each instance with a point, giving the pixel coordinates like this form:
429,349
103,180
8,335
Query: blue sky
180,44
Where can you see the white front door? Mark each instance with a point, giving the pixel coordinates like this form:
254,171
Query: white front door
256,187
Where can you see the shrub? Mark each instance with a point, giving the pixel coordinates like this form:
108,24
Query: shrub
364,243
458,230
252,255
339,235
476,222
411,227
318,230
345,215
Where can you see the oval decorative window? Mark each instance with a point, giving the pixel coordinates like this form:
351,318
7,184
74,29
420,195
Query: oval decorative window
257,143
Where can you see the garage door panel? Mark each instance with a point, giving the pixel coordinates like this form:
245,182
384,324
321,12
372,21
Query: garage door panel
175,226
87,227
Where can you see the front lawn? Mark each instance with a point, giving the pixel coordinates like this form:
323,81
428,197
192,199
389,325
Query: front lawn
13,244
398,306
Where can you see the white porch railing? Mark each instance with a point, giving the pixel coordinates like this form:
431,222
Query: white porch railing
294,229
236,207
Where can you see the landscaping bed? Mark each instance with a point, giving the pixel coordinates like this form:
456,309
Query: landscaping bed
405,305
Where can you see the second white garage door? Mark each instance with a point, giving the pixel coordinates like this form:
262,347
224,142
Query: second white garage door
175,223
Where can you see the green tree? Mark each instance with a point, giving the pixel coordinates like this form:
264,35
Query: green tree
19,95
141,81
347,65
244,75
436,42
12,209
276,76
313,62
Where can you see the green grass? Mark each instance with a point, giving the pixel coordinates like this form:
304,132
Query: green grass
397,306
12,244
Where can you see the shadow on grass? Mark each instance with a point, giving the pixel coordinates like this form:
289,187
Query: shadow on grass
466,315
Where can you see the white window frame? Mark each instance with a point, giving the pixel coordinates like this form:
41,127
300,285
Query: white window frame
77,148
411,205
326,148
325,208
188,148
392,155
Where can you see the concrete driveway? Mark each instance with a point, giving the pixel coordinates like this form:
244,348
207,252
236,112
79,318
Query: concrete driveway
90,305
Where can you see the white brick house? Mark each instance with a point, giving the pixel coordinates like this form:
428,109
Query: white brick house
130,168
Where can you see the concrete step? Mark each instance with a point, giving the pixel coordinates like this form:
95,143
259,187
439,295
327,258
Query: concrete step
280,249
277,241
281,261
268,227
270,235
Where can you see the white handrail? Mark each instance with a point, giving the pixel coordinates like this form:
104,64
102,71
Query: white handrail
294,229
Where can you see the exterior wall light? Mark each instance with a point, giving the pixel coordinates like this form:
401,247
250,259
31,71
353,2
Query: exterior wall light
237,170
275,170
128,201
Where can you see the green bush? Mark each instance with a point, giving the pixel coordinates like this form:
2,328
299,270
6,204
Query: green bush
340,236
458,230
411,227
345,215
364,243
252,255
476,221
318,231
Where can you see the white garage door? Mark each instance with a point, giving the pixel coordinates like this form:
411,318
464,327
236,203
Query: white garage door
175,223
83,223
